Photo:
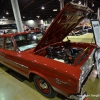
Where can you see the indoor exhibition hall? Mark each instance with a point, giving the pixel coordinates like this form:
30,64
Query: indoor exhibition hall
49,50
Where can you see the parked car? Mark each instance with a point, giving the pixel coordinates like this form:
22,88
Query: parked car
84,38
80,30
77,31
54,66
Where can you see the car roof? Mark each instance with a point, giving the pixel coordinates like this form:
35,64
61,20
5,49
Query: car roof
17,33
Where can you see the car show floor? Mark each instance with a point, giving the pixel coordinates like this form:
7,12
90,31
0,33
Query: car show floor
12,88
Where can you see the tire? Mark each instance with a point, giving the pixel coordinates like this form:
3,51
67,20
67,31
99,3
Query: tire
44,87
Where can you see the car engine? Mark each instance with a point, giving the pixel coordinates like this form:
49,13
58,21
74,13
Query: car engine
63,54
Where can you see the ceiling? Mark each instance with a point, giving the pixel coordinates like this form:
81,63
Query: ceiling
29,9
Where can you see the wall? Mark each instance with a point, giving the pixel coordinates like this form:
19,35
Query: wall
2,22
31,23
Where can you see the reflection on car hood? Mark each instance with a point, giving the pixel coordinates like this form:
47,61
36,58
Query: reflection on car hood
67,19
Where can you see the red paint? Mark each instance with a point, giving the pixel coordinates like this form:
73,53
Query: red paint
86,99
34,60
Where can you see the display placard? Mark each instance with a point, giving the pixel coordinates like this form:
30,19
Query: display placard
96,31
97,58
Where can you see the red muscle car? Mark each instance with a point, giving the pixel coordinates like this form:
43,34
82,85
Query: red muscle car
54,66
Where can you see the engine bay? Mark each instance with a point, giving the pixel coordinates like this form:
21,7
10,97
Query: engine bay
63,54
66,52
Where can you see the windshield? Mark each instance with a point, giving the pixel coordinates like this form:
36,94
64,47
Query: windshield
27,41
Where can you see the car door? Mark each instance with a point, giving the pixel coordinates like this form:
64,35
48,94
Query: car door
12,57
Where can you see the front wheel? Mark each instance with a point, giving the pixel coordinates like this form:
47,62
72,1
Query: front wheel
44,87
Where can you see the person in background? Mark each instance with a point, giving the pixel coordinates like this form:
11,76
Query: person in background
4,32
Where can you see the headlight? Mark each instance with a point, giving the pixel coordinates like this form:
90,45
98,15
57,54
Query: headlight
86,68
86,65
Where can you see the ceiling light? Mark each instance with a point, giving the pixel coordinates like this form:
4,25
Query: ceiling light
42,7
30,21
7,12
54,9
92,4
79,2
23,16
3,17
38,16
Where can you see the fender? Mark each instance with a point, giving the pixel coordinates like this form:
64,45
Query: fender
39,74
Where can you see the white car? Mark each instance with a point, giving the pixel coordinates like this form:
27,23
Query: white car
86,38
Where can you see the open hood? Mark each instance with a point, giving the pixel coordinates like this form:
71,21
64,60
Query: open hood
67,19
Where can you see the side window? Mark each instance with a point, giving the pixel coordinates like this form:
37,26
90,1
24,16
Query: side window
1,42
8,44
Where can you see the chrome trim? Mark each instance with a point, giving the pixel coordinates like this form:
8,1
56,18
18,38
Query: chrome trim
15,63
86,68
58,81
19,64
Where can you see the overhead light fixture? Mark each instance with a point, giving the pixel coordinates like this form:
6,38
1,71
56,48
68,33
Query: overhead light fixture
92,4
23,16
54,9
3,17
38,16
42,7
7,12
79,2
